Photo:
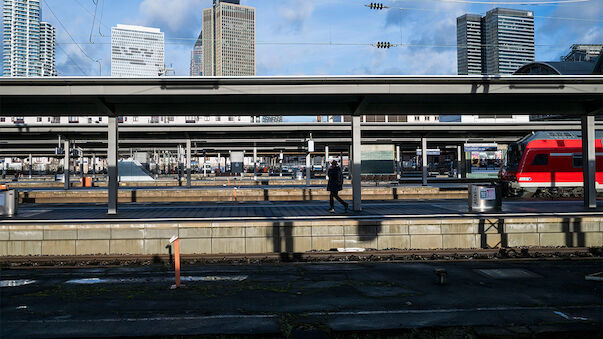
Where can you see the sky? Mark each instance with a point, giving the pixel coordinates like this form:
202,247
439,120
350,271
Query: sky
312,37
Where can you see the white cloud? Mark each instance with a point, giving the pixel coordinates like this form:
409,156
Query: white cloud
175,17
295,13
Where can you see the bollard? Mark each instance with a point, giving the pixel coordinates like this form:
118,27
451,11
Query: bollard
176,243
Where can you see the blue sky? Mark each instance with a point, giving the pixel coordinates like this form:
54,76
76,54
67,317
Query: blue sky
296,37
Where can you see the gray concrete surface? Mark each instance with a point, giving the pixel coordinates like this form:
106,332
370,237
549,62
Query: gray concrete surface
278,299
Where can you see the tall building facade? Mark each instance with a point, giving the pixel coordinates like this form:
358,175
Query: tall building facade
137,51
196,68
228,39
47,53
506,40
28,44
469,42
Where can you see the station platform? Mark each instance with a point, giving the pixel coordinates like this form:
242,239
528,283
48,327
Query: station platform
291,210
277,227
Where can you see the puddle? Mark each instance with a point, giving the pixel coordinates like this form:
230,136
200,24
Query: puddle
90,281
16,283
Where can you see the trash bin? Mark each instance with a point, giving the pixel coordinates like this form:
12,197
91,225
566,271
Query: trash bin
485,198
8,202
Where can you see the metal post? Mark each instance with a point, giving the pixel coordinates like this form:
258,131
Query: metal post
424,156
66,164
204,169
308,169
356,163
112,157
255,163
93,166
30,166
281,158
326,162
588,161
398,165
219,163
188,163
458,161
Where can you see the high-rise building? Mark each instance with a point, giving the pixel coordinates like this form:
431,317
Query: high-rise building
47,43
137,51
583,52
506,40
196,68
22,45
228,39
469,42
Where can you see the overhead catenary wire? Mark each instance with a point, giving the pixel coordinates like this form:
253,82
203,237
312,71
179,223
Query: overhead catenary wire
66,31
71,59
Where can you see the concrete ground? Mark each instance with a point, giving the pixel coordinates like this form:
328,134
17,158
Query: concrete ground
295,210
481,298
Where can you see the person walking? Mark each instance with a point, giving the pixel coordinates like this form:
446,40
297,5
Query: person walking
335,185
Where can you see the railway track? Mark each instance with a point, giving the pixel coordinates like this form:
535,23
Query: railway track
496,254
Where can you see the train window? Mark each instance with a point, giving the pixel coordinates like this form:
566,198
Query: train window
541,159
577,160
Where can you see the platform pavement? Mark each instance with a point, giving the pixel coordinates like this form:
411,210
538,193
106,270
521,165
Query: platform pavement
293,210
252,228
482,298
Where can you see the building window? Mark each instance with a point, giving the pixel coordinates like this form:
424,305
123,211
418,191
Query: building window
39,119
416,118
74,120
230,118
55,120
218,118
154,120
190,120
89,120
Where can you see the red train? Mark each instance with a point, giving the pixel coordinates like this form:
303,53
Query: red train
548,163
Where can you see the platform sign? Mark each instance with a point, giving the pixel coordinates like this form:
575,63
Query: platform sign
236,161
377,159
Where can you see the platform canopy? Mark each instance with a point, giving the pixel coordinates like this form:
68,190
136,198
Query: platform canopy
327,95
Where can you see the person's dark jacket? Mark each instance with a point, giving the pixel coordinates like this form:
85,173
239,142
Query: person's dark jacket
335,179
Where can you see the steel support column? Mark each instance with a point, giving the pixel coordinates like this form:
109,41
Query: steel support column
112,158
326,162
425,167
458,161
30,166
398,167
308,168
188,163
588,161
356,163
66,164
93,166
255,163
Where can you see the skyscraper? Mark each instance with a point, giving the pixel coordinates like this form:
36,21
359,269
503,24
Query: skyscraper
506,40
196,68
469,42
228,39
28,45
137,51
47,43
